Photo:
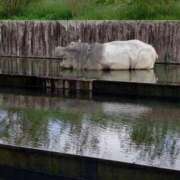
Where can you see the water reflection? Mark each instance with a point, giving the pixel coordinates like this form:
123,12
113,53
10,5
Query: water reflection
144,132
52,68
168,73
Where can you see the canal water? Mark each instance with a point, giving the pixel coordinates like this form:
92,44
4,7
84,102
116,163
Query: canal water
162,73
140,131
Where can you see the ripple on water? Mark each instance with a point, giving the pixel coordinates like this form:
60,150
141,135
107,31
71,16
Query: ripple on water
144,132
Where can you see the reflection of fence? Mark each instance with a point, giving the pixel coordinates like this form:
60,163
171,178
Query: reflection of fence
30,67
39,38
38,67
43,102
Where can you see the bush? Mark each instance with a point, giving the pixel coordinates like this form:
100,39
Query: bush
47,9
150,9
12,7
77,6
90,9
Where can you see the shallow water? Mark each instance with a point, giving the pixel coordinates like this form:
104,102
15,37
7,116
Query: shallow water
130,130
52,68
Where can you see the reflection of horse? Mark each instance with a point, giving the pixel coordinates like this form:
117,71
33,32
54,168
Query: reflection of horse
132,54
143,76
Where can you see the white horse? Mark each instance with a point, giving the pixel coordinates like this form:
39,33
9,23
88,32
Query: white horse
115,55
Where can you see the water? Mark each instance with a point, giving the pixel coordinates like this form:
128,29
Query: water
166,74
130,130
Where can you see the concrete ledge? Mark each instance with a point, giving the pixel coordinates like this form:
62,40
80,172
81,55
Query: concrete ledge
136,89
78,167
92,87
9,173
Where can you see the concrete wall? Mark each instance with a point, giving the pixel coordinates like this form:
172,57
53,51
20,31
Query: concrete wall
67,166
91,88
39,38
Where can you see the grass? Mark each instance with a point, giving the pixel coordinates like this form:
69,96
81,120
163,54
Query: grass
45,9
96,9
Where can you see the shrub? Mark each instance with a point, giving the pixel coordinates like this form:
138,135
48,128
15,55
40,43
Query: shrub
12,7
149,9
90,9
47,9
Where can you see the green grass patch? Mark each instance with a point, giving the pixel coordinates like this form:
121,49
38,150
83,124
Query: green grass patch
46,9
93,9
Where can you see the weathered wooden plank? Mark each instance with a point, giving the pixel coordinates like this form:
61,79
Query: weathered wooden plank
39,38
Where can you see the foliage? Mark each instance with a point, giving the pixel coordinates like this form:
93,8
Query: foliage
150,9
108,1
90,9
47,9
12,7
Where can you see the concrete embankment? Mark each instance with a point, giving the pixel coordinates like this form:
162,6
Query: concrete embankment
69,167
